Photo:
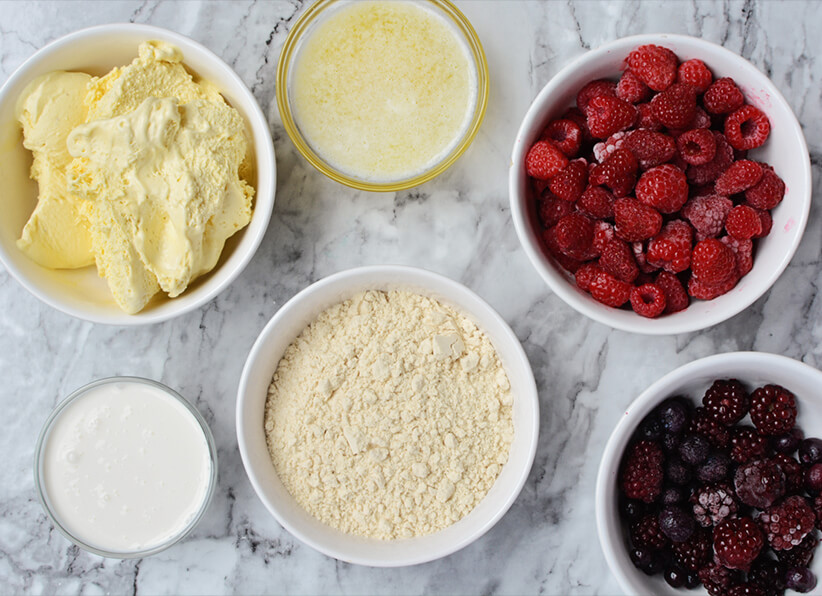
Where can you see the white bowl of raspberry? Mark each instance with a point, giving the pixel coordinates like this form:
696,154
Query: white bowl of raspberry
680,195
706,479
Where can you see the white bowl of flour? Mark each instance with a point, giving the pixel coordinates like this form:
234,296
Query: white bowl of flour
445,472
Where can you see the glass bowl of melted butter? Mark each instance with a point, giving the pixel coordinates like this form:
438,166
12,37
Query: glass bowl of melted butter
382,95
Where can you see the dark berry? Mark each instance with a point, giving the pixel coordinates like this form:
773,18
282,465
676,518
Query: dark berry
633,509
695,552
800,555
674,415
794,473
727,401
746,589
718,579
692,580
759,483
768,575
747,444
676,576
737,543
713,504
646,533
787,443
670,442
644,560
673,495
813,479
704,424
676,524
787,523
800,579
773,410
650,429
810,451
677,472
715,468
642,471
694,449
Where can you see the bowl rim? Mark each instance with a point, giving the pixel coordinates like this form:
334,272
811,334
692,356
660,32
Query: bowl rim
444,8
416,276
641,405
556,280
266,169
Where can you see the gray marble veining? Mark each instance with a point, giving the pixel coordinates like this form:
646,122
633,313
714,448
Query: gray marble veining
458,225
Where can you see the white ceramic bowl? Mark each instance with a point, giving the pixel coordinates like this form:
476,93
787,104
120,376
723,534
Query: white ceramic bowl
81,292
785,150
284,327
754,369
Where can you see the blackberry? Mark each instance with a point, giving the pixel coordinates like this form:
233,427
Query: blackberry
674,415
747,444
737,543
646,533
726,401
787,443
759,483
704,424
642,471
800,555
718,579
695,552
746,589
794,474
810,451
715,468
773,410
800,579
670,442
817,509
713,504
786,524
768,575
694,449
676,523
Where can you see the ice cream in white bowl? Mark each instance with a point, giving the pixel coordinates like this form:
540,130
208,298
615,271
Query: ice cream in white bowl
785,150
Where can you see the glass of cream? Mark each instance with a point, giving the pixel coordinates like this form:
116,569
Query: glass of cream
125,467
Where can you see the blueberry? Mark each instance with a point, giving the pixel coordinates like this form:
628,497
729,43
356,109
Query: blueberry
694,449
650,429
788,443
810,451
800,579
677,472
675,523
670,442
673,495
673,414
644,560
715,468
813,479
633,509
675,576
692,580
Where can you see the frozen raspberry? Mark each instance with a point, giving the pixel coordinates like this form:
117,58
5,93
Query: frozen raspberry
646,119
676,106
605,148
727,401
544,160
618,259
768,192
747,444
648,300
703,291
800,555
707,214
676,298
641,258
617,172
664,188
610,291
697,146
603,234
695,552
773,410
630,88
585,276
671,248
747,128
740,176
743,252
696,74
607,115
723,97
650,148
597,202
712,262
569,182
768,575
737,543
710,171
800,579
787,523
718,579
574,234
565,134
635,221
767,222
552,209
676,523
647,533
759,483
743,223
706,425
713,504
794,474
655,65
594,89
575,115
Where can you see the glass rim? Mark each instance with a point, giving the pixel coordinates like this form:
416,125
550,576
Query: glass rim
444,7
40,485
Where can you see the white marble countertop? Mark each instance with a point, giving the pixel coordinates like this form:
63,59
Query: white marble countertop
458,225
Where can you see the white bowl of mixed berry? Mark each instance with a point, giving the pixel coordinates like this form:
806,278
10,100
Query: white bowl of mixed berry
712,480
660,184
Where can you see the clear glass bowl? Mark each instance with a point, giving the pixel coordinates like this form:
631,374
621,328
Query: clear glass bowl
39,479
303,29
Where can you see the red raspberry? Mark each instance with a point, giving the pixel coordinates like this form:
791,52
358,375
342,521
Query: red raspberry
635,221
594,89
743,252
727,401
655,65
544,160
549,238
596,202
787,523
631,88
747,444
696,74
608,114
610,291
697,147
747,128
671,248
723,97
552,209
773,410
740,176
586,275
707,215
706,425
768,192
646,118
575,115
676,298
703,291
575,234
569,183
648,300
767,223
743,223
737,543
664,187
650,148
710,171
603,234
646,533
642,259
695,552
676,106
605,148
565,134
617,172
617,258
712,262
